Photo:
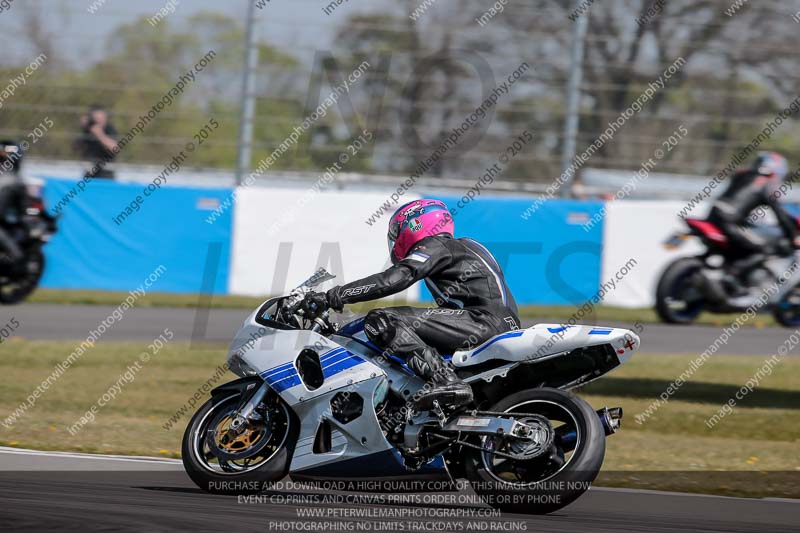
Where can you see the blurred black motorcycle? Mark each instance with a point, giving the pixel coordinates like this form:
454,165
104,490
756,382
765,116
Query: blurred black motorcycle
31,228
720,281
25,226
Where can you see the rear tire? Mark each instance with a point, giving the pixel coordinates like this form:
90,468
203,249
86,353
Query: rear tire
673,286
787,311
556,489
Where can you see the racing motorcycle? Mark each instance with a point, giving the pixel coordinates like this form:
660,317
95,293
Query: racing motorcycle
321,403
720,281
31,228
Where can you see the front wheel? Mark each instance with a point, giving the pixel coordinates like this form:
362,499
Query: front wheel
16,286
548,472
222,460
678,298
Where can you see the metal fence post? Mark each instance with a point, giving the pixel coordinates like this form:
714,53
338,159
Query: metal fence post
571,117
248,95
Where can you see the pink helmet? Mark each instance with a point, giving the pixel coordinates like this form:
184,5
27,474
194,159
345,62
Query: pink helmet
413,222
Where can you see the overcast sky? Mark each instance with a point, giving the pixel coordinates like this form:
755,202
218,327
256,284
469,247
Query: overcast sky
82,36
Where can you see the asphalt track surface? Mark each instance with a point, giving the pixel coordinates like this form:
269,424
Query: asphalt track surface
73,322
43,491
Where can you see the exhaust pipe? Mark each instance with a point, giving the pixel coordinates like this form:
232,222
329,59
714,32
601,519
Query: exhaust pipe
611,418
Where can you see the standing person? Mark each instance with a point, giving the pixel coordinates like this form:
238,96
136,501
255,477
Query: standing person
97,142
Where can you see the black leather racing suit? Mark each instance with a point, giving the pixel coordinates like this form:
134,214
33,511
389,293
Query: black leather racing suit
748,190
13,195
474,302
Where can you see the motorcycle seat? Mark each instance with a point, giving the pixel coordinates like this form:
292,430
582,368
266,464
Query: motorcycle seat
544,340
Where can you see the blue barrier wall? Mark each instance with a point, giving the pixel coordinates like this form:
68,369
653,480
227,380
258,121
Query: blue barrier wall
91,251
548,259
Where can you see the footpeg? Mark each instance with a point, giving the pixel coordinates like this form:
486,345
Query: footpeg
439,412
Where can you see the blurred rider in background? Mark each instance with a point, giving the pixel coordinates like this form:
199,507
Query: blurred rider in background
13,196
751,188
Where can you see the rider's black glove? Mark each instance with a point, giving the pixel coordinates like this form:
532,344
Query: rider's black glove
316,303
334,300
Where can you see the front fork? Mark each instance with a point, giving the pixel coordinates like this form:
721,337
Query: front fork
247,411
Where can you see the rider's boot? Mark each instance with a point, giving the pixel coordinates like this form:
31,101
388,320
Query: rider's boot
442,383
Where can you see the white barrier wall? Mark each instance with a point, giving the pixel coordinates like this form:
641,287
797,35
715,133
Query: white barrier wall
282,235
638,230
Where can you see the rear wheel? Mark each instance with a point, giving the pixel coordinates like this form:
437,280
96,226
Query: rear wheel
222,460
787,311
549,471
678,298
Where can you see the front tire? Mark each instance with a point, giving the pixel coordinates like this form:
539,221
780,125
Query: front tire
677,300
553,480
15,287
250,464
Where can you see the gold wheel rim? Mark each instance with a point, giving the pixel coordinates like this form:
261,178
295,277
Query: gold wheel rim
231,442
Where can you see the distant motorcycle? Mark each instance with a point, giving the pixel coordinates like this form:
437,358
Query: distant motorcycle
709,281
321,402
31,229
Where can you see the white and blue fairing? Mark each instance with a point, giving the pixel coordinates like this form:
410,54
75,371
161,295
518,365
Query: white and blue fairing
349,364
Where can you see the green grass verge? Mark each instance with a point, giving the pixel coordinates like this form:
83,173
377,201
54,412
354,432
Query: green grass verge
751,452
762,435
601,313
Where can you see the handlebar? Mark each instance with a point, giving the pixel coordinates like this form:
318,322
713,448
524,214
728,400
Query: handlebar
297,309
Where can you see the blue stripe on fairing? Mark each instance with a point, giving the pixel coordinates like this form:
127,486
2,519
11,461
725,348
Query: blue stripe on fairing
337,358
286,384
342,366
558,330
501,337
334,362
331,354
277,376
601,332
279,368
280,377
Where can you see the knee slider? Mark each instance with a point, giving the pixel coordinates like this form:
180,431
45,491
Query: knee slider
379,328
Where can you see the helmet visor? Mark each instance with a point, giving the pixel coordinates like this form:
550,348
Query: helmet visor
394,231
